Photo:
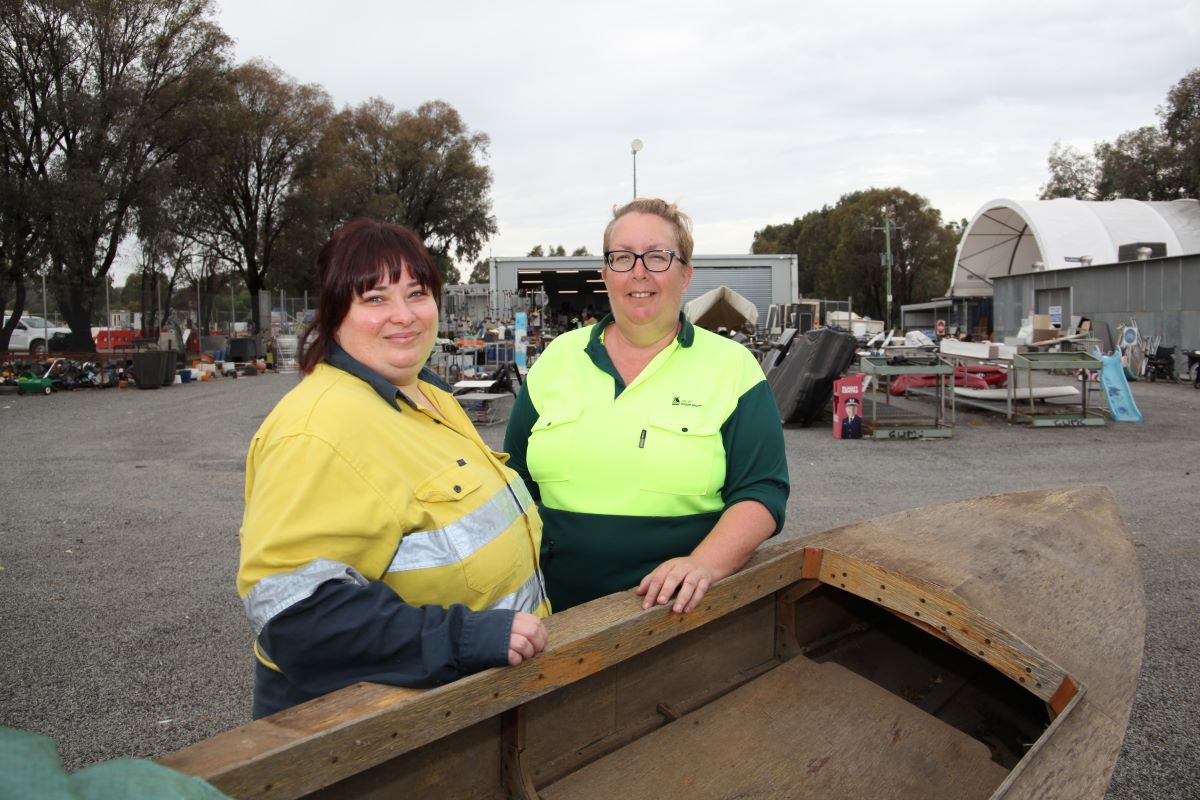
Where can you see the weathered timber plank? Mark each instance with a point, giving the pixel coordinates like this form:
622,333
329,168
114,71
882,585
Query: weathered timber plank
581,722
464,765
1075,762
946,616
518,783
803,730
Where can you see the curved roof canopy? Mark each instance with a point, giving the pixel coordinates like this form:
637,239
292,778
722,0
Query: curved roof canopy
1008,237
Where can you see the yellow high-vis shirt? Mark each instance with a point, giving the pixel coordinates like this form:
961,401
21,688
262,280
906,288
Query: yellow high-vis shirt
343,485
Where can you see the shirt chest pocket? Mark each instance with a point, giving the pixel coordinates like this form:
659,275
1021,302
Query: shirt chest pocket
679,459
451,484
463,523
552,446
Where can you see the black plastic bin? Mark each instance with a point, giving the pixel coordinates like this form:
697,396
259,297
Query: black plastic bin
242,350
154,368
803,381
170,364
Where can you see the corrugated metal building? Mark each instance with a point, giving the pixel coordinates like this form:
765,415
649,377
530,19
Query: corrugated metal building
572,283
1109,261
1161,294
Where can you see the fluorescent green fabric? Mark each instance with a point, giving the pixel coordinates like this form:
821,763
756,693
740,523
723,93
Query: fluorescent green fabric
629,476
655,448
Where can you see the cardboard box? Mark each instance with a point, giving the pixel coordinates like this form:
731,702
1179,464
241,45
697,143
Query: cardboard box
1041,322
1043,334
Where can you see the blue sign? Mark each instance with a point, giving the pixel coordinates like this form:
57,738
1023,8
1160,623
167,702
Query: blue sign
520,336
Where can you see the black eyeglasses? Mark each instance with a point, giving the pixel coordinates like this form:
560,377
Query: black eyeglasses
652,260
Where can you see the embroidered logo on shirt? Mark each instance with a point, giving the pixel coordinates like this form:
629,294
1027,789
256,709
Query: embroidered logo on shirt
680,402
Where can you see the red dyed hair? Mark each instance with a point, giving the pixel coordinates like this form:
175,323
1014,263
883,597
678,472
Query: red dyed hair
355,260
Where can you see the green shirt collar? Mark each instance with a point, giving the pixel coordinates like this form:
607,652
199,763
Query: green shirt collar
599,355
687,332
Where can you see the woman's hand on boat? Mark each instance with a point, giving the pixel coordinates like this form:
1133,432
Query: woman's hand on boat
527,639
684,578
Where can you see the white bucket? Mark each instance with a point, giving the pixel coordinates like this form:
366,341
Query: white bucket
285,348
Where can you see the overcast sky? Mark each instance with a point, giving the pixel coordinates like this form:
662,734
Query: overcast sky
751,112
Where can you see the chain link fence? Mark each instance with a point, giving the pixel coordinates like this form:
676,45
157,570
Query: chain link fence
117,316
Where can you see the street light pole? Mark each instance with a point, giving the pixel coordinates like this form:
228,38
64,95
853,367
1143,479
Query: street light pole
45,317
887,235
634,147
199,310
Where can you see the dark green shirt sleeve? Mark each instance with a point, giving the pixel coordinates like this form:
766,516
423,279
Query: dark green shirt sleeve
516,437
755,461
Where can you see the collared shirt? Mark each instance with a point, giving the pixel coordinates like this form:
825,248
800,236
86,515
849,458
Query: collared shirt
338,357
381,541
631,475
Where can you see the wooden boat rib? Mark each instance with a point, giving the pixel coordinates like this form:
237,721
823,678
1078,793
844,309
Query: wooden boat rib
986,648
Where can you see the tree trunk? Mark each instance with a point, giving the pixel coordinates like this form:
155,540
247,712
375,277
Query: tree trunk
254,285
76,303
18,310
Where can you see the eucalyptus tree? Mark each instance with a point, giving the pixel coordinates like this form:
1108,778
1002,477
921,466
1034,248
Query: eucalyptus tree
481,272
27,140
424,169
241,179
839,249
118,87
1153,162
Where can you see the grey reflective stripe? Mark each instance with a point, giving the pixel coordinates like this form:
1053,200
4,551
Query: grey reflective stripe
450,545
522,492
276,593
526,598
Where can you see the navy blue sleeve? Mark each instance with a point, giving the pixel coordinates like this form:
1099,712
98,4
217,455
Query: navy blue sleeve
516,437
344,633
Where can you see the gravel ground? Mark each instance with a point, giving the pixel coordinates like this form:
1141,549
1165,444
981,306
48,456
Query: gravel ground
123,635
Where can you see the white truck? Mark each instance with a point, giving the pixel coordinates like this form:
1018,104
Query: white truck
32,333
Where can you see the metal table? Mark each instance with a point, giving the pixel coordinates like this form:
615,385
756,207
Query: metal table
912,426
1080,364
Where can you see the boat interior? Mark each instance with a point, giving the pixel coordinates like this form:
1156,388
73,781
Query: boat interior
792,695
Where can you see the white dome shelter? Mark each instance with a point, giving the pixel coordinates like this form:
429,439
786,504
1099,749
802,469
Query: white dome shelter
1015,237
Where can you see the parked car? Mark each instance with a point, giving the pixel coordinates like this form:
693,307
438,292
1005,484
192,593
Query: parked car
32,334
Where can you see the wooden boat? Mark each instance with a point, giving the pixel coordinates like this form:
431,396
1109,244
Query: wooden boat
987,648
